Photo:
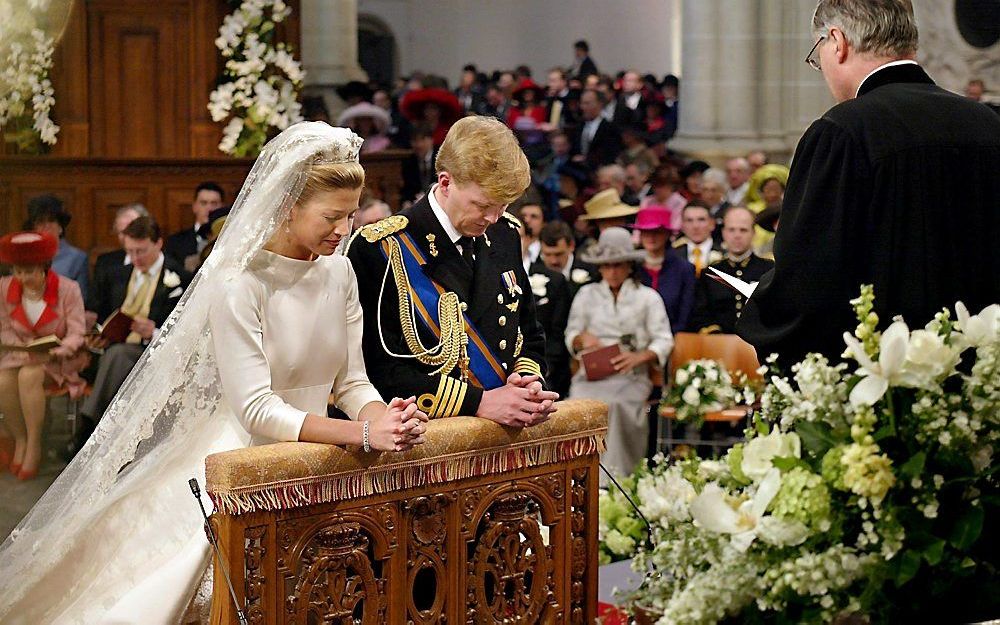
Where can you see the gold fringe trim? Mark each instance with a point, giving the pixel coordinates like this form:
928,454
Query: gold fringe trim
440,469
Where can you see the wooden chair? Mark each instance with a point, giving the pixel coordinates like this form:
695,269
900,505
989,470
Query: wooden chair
736,355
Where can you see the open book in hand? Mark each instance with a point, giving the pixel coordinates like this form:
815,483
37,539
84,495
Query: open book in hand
745,289
116,327
39,345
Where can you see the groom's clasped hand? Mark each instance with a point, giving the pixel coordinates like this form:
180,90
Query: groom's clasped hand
400,428
521,402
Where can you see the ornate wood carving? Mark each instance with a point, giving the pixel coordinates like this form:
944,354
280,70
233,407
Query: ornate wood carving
427,559
578,561
254,573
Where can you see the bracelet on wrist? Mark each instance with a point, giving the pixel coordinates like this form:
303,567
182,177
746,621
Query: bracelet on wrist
365,437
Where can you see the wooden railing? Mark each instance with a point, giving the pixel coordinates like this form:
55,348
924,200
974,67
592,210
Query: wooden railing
482,524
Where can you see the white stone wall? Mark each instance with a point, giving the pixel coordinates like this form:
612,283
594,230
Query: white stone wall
440,36
949,60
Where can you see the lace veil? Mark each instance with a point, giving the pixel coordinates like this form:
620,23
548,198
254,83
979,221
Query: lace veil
174,389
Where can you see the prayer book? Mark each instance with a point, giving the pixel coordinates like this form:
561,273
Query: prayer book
39,345
116,327
597,362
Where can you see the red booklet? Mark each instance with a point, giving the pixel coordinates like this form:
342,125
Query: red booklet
116,327
597,362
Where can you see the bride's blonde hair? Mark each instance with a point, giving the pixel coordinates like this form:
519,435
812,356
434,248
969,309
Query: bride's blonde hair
331,177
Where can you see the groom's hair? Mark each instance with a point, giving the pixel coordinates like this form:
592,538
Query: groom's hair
332,177
483,151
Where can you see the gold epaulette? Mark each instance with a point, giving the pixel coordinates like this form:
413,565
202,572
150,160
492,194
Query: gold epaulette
681,242
514,221
383,228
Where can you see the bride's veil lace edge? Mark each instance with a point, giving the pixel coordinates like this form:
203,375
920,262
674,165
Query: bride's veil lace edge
174,387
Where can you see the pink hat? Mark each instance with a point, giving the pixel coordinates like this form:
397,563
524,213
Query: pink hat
653,217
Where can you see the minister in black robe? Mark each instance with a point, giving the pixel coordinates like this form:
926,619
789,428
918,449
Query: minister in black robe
898,187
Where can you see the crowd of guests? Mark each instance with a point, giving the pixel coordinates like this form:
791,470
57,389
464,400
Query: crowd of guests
54,308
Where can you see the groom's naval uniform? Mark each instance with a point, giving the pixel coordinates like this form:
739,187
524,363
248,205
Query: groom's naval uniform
457,314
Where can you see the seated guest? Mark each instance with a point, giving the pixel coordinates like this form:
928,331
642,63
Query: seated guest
371,210
558,254
552,300
557,97
188,243
697,246
666,273
611,177
370,122
596,141
529,118
607,210
545,173
216,220
108,265
46,213
637,186
620,310
531,215
738,179
664,187
36,303
147,290
717,307
765,193
691,179
635,149
434,107
713,194
630,107
418,170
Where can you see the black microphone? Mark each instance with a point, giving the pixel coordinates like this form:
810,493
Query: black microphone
210,533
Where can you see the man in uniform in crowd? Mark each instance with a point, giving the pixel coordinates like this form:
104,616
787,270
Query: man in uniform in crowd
450,316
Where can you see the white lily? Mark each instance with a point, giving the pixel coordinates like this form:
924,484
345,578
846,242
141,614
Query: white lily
760,452
878,376
979,329
712,510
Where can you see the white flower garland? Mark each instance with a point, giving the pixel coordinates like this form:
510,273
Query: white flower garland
24,79
263,79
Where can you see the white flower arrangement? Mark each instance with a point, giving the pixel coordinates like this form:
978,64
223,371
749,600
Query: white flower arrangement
262,79
26,93
703,386
841,501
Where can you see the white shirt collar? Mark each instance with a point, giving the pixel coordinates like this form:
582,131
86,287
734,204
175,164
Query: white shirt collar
568,269
153,271
880,68
442,216
705,246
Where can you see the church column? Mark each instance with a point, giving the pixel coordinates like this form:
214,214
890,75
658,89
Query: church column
737,88
699,56
330,48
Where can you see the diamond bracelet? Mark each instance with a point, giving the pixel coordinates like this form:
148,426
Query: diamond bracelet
365,440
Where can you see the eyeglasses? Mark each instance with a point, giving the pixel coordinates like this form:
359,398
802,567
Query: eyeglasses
814,62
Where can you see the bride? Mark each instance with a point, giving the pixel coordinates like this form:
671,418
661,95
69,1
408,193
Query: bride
268,328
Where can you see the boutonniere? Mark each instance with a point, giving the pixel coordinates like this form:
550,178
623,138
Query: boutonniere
538,282
171,279
580,276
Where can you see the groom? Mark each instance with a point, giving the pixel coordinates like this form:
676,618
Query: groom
457,325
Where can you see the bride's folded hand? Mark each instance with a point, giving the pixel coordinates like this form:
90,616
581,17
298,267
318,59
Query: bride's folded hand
400,428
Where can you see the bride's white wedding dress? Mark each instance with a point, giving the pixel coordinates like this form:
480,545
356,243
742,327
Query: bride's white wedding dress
262,343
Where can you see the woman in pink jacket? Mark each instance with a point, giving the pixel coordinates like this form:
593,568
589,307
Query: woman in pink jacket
35,302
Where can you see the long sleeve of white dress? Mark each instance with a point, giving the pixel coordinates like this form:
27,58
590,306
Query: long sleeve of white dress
238,336
351,388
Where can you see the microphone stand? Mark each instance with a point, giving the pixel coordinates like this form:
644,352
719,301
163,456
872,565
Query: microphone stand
210,532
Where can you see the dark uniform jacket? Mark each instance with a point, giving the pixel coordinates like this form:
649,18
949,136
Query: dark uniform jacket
502,313
716,306
552,301
898,188
182,244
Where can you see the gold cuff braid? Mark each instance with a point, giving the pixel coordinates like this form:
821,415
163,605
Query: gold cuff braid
447,401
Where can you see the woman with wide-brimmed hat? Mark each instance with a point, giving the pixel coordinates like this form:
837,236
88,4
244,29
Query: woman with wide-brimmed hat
764,197
434,107
36,303
370,122
528,118
668,274
619,310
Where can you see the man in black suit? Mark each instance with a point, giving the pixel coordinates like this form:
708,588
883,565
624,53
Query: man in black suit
460,332
108,265
896,186
697,246
552,301
418,170
147,289
716,306
559,254
188,243
469,92
596,141
630,108
557,101
583,65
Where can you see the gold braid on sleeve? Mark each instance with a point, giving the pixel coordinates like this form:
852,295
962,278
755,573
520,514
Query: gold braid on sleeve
452,346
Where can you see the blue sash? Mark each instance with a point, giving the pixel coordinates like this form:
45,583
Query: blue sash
484,367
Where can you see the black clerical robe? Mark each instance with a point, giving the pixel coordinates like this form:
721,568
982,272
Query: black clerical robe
900,188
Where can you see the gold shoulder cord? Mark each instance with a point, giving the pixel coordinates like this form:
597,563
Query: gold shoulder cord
452,347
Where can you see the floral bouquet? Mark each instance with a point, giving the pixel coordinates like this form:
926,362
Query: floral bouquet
620,530
704,386
261,80
859,492
26,93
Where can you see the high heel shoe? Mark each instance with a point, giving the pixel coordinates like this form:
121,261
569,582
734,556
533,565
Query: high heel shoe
15,469
24,475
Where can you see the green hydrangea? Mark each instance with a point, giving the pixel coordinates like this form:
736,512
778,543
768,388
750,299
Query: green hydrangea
630,526
803,497
618,543
735,460
832,468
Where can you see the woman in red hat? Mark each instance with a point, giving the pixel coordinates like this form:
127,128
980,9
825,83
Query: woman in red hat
36,303
434,107
529,118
